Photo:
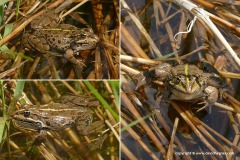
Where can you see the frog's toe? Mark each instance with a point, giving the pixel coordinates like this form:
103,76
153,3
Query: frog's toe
209,105
206,105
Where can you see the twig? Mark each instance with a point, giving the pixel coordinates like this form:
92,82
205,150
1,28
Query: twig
131,43
12,70
129,70
138,60
171,147
125,99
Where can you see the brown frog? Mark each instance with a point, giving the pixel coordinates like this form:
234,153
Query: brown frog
70,111
186,82
51,37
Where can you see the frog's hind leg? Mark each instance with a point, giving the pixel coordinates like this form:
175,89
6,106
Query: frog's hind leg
89,129
98,143
33,42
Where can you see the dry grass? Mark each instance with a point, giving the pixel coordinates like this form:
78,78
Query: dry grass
146,35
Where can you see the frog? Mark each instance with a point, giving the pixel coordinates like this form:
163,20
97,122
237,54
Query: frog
57,116
191,82
48,36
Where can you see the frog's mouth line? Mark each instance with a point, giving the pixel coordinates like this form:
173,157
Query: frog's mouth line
83,45
28,123
82,42
25,119
89,39
87,44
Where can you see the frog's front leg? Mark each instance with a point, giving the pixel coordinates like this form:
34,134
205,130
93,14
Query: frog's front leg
211,94
40,137
77,63
69,55
93,127
160,72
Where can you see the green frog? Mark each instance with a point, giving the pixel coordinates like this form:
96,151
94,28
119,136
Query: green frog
68,112
189,82
48,36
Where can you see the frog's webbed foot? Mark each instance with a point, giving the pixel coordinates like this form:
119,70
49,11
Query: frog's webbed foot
206,105
93,127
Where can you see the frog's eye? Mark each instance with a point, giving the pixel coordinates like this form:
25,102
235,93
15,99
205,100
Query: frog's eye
26,113
178,79
83,35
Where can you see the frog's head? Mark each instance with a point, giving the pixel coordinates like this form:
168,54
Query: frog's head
24,119
86,39
185,84
186,79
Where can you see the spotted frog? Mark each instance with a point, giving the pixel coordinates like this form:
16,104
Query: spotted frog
187,82
50,37
68,112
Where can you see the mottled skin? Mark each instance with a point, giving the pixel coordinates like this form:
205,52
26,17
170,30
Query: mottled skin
70,111
186,82
47,36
